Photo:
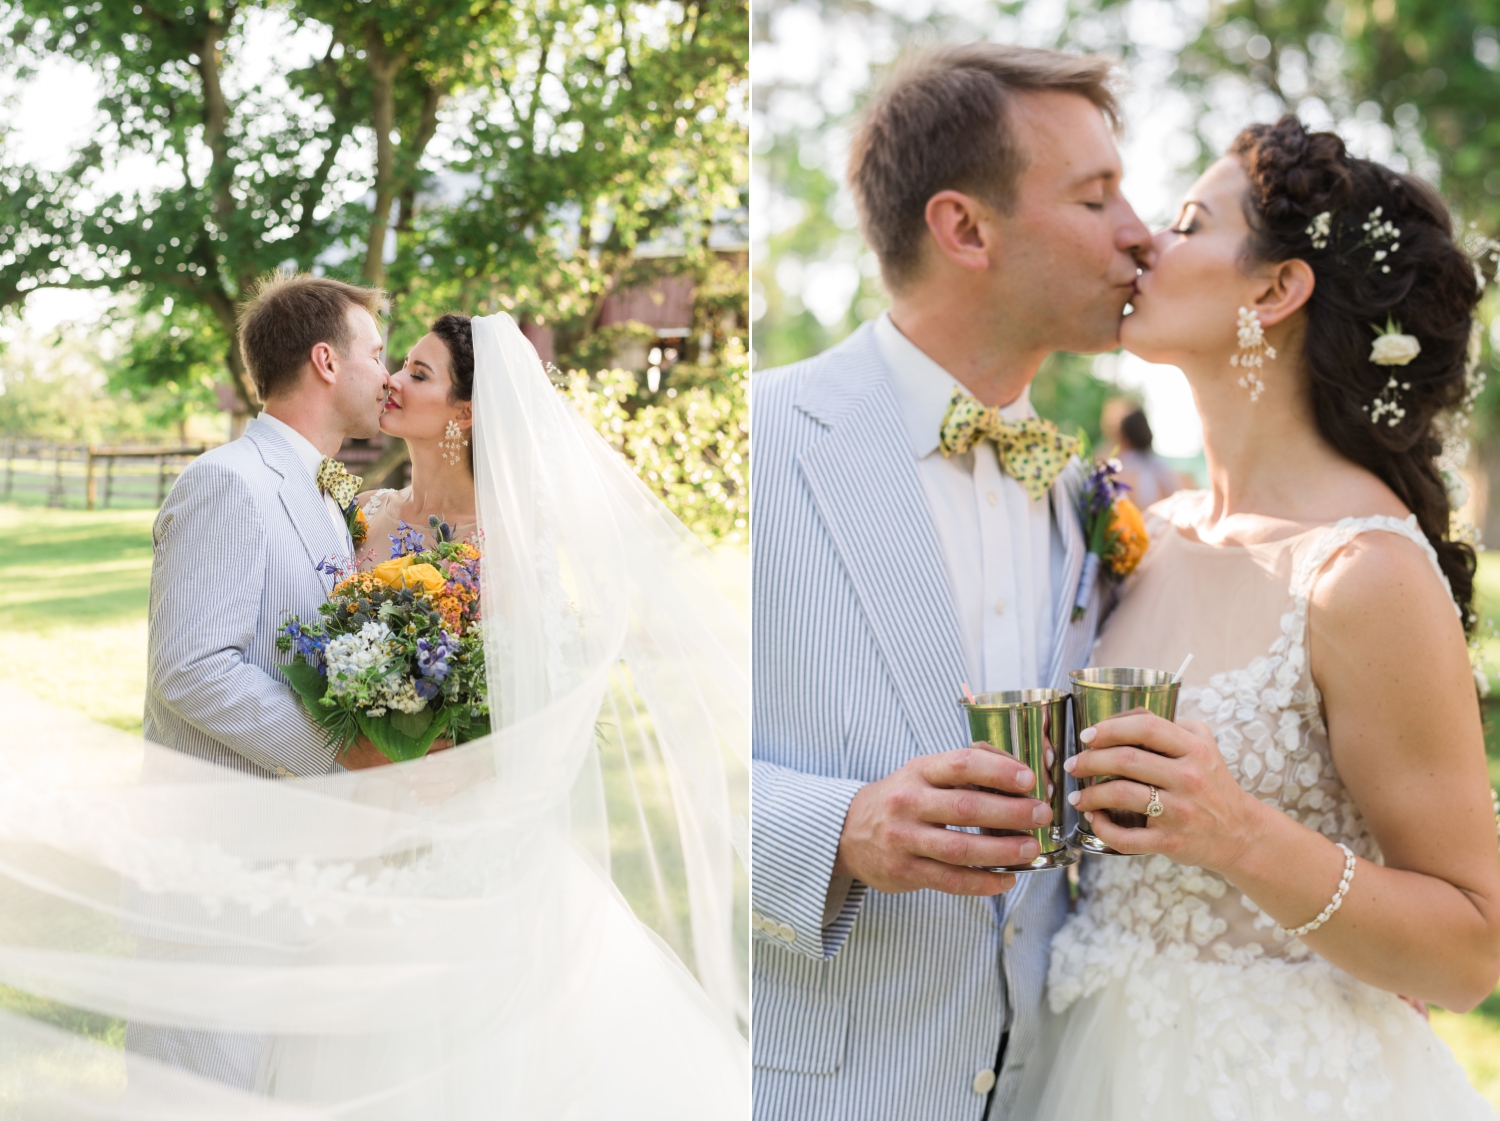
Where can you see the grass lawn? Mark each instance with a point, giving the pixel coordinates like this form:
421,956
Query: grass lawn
73,590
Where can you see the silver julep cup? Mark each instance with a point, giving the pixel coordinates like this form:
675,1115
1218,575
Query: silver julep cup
1032,726
1104,691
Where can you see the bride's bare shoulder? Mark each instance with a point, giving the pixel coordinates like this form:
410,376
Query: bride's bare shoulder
1383,587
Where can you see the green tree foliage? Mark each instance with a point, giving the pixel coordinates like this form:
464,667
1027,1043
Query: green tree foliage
690,443
574,132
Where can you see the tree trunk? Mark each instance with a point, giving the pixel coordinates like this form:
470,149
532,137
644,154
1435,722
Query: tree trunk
383,66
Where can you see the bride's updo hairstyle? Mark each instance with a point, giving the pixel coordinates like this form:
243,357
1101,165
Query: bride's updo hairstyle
1427,286
458,336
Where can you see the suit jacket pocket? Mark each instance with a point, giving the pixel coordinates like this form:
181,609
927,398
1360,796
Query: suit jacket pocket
797,1029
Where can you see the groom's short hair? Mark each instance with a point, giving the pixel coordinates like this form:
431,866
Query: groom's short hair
287,315
926,132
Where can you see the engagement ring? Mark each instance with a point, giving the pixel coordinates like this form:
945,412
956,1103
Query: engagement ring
1153,807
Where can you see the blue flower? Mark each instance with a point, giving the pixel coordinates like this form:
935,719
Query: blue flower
432,657
426,689
406,540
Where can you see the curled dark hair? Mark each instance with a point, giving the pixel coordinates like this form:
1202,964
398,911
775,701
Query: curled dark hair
458,337
1427,285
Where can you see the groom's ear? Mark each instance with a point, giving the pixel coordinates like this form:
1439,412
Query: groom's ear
958,226
324,362
1288,287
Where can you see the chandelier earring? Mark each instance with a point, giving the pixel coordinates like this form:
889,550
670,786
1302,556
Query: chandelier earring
1254,350
453,443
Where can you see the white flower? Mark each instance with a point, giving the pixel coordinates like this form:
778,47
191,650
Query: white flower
1319,229
401,694
1394,350
349,655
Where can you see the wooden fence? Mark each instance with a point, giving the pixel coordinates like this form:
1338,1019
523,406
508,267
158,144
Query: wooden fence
89,477
95,477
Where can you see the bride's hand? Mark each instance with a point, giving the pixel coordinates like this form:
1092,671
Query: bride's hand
1208,820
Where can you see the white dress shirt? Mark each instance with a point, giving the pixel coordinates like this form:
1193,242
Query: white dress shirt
1003,554
311,458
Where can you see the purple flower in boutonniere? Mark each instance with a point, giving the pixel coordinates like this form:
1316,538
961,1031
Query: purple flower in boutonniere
1113,528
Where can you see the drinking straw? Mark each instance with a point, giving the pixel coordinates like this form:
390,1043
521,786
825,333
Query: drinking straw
970,696
1182,669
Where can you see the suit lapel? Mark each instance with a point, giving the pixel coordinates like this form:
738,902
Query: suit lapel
1067,634
866,491
302,502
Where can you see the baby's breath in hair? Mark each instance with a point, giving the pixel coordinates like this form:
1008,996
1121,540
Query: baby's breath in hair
1376,230
1318,230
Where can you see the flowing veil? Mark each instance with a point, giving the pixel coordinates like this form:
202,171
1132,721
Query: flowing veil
549,922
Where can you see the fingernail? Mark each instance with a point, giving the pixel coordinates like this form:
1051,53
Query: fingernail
1041,813
1089,816
1030,850
1087,735
1024,780
1073,798
1069,764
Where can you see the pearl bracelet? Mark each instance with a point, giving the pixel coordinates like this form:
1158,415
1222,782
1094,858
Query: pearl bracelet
1333,904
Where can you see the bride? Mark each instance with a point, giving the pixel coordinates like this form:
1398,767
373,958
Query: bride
444,938
1323,836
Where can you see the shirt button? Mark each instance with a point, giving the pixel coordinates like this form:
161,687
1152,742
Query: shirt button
984,1081
1010,933
999,607
993,497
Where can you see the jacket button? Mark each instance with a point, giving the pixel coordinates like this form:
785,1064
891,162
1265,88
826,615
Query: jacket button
786,933
984,1081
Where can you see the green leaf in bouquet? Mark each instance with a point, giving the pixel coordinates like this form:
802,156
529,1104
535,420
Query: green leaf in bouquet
411,724
394,742
308,682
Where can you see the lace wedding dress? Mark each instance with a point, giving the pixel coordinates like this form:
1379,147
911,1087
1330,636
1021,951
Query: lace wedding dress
1176,997
442,940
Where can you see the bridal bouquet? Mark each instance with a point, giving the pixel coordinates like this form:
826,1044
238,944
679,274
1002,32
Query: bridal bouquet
396,653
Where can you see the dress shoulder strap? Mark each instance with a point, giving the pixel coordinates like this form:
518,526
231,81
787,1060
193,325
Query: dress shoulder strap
1311,563
1171,510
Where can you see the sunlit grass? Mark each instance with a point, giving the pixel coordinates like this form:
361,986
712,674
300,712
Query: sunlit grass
73,596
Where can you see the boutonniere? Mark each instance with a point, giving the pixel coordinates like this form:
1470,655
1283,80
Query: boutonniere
359,529
1113,528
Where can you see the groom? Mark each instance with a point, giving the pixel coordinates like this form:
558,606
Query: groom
894,560
238,541
237,546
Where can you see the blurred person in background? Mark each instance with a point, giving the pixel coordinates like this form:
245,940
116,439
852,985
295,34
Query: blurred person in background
1150,477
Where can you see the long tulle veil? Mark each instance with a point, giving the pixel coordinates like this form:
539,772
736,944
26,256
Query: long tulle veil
549,922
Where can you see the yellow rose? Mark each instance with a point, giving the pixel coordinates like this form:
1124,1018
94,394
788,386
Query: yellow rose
389,572
425,578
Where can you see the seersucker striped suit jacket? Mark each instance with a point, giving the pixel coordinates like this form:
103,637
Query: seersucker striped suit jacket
236,549
890,1008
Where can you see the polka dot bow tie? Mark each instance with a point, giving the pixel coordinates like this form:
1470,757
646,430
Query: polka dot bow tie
335,481
1031,451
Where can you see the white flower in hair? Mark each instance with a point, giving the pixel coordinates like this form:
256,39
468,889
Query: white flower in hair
1392,348
1319,229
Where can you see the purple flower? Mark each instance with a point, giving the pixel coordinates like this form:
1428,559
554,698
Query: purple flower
405,541
1104,486
426,689
432,657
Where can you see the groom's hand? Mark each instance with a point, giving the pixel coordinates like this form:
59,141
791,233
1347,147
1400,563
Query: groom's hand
895,834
